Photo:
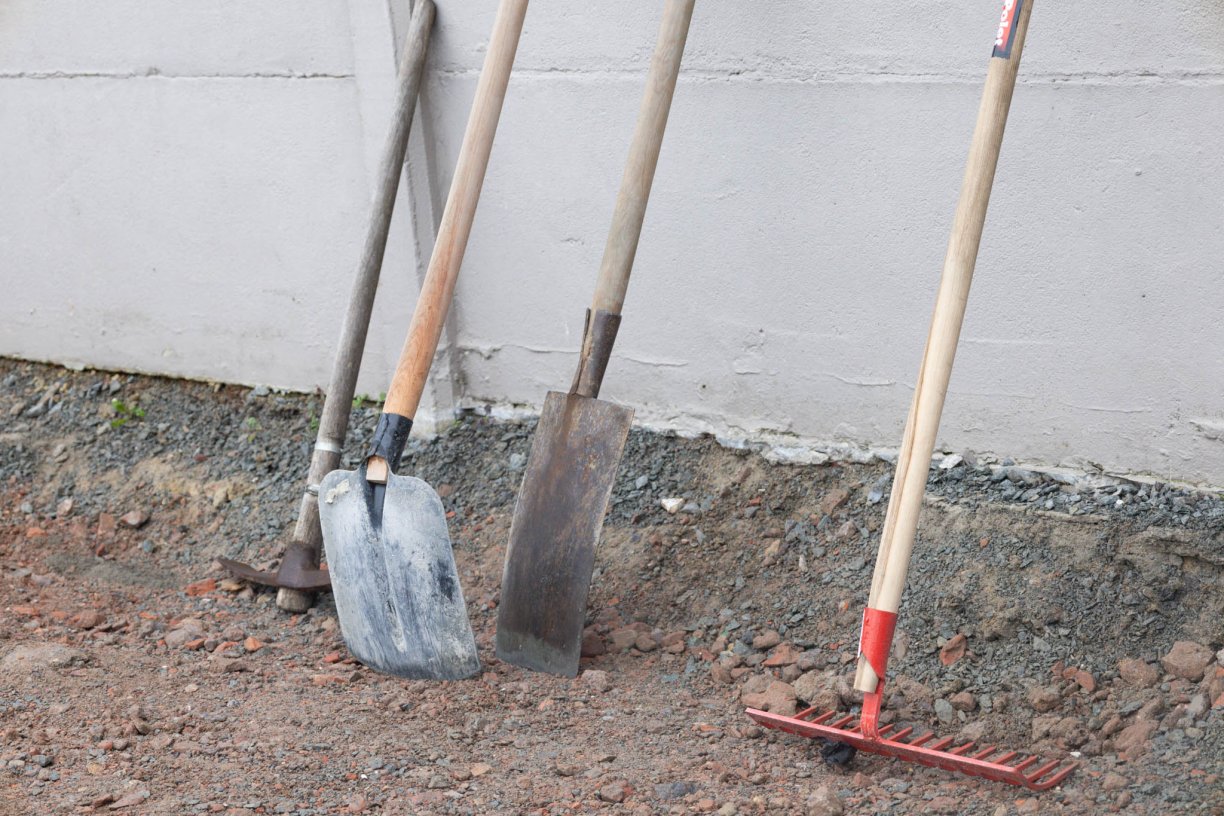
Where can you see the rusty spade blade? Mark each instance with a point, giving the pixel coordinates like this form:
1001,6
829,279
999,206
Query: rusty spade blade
560,511
579,441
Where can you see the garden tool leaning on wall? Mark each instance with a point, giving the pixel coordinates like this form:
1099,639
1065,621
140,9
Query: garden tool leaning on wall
397,591
579,440
901,522
299,576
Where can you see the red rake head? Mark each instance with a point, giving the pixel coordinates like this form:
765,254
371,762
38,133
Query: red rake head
1006,766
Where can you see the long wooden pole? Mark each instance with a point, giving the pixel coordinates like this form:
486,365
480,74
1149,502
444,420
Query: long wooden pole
333,424
404,395
639,173
918,444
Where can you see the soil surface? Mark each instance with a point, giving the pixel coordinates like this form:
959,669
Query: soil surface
1081,619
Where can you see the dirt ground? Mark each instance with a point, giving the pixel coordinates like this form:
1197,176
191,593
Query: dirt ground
1077,618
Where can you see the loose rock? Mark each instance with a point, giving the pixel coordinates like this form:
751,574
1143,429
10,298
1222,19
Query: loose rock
89,619
1044,698
135,519
766,640
1133,741
593,644
597,680
1138,673
824,802
1187,660
778,698
833,500
31,658
666,791
615,792
818,689
953,650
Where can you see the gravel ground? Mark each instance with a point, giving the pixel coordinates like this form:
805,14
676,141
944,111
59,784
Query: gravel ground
1075,617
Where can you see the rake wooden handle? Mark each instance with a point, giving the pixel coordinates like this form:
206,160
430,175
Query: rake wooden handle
643,158
404,394
918,444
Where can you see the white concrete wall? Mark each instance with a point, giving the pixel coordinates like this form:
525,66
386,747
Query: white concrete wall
184,186
199,220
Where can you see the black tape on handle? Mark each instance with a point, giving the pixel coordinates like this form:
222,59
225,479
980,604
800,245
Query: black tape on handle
390,437
1006,35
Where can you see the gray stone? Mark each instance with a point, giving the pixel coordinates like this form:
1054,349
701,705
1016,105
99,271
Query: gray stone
667,791
818,689
597,680
31,658
777,698
824,802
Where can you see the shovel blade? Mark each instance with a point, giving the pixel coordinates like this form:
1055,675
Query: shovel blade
393,577
560,510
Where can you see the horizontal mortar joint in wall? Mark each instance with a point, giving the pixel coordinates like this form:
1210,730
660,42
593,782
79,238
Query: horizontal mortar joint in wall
154,74
753,76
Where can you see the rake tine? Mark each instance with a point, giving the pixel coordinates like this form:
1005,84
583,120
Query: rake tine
825,717
1050,782
1025,764
803,715
1031,771
1043,770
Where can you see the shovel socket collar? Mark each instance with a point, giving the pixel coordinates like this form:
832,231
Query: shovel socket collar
390,437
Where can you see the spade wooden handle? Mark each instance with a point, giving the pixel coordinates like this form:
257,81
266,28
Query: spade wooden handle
404,394
643,158
918,444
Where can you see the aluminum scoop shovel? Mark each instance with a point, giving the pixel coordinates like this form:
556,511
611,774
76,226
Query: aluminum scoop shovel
393,574
580,439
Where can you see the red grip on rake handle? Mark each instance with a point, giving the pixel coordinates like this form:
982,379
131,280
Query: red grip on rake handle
876,638
875,642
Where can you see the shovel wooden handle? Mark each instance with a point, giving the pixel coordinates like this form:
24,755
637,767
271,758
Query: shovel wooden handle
918,444
643,158
404,394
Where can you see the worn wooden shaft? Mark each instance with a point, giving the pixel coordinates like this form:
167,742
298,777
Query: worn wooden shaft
935,372
643,158
333,423
404,395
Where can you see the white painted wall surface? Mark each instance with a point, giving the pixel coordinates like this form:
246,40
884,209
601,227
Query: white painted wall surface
192,188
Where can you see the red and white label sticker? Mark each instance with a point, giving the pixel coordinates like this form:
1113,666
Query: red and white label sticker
1006,35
